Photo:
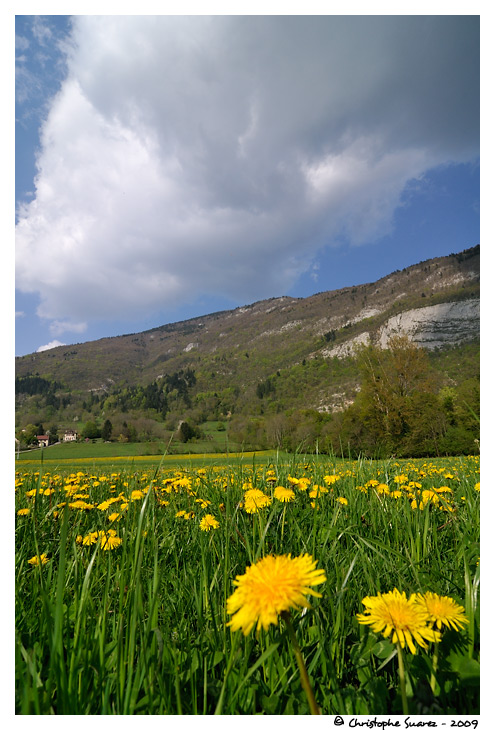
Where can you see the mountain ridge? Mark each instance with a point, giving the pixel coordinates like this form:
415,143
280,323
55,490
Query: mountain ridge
266,357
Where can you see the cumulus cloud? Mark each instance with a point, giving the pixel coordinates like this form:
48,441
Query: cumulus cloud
50,346
216,155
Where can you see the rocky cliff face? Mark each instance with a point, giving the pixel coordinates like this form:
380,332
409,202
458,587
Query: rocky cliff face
451,323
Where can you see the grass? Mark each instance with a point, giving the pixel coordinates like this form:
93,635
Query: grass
118,454
141,629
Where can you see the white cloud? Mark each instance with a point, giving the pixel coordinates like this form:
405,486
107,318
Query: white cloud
50,346
197,155
58,327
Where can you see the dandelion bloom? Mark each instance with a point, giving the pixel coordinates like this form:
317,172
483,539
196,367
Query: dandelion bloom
283,494
443,611
80,504
43,560
274,584
24,511
342,500
405,619
90,539
109,540
317,491
208,523
303,483
254,500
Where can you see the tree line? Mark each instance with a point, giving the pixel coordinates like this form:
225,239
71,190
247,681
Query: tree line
402,409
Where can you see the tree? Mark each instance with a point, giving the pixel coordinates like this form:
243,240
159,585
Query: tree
398,403
106,430
90,431
186,432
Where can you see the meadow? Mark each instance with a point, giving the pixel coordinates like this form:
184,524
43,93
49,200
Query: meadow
236,586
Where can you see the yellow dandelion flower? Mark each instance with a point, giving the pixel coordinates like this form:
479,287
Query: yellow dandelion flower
331,479
405,619
90,539
109,540
80,504
443,611
254,500
317,491
114,516
209,522
342,500
274,584
477,486
414,485
303,483
42,560
24,511
429,495
372,483
284,494
136,494
382,489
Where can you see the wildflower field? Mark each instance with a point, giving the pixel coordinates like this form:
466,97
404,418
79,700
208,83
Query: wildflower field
305,585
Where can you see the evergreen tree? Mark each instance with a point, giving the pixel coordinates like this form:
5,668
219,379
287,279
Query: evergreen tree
106,430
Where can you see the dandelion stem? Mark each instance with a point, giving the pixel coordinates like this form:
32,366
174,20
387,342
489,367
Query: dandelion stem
315,710
433,678
402,680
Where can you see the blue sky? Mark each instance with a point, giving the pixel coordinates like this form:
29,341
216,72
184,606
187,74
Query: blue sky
169,166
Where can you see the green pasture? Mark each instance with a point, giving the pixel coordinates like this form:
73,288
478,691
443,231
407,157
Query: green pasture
139,455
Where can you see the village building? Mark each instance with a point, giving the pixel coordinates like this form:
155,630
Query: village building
43,440
70,435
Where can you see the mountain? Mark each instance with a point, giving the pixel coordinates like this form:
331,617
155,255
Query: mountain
274,354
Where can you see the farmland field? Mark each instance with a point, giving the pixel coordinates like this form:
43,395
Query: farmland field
236,586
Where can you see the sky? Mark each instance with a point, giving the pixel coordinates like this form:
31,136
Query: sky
172,166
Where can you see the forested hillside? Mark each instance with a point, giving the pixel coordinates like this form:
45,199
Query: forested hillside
327,372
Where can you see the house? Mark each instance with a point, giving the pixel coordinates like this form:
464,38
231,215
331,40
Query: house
70,435
43,440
